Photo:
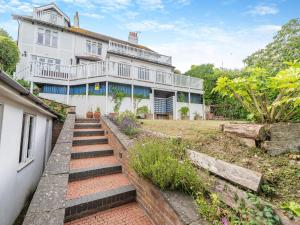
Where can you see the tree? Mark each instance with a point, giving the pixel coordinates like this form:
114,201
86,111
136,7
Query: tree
285,47
4,33
9,54
266,97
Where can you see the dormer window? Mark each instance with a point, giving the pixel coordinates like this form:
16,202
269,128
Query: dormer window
53,17
93,47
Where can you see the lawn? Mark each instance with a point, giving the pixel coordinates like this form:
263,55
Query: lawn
281,174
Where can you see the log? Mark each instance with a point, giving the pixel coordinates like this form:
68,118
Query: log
284,131
280,147
253,131
236,174
248,142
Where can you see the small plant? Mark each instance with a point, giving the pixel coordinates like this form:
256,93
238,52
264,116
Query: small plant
292,207
181,97
127,123
136,101
184,112
142,112
117,97
268,190
197,116
97,113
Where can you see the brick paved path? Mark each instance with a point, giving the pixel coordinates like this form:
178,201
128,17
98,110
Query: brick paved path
99,193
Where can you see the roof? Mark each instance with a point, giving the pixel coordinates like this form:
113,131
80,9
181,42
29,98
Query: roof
82,32
54,6
24,92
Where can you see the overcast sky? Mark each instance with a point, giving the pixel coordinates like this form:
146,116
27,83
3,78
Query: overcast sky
191,31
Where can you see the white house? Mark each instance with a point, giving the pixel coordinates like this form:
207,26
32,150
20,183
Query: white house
81,68
25,145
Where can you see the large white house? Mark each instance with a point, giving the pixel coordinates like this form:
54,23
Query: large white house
25,145
82,68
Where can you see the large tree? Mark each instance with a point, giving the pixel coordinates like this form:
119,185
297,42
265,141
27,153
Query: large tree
9,53
4,33
285,47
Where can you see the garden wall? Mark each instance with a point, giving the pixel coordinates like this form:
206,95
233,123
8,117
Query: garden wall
168,208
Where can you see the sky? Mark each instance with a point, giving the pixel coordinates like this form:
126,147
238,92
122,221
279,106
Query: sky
193,32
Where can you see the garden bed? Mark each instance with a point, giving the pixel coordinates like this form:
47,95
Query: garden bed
280,174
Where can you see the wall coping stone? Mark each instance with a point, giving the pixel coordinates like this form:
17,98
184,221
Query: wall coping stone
48,203
182,204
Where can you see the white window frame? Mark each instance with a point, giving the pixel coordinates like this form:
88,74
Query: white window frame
143,73
27,141
52,38
93,47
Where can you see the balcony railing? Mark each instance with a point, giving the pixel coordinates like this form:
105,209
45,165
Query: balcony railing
112,69
139,53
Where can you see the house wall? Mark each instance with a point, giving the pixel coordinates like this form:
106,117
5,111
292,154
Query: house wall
16,183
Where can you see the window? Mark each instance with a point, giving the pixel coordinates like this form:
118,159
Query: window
47,37
40,39
123,70
53,17
27,137
93,47
143,73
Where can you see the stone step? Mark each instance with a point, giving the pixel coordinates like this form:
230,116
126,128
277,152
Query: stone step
89,140
87,126
84,173
88,132
84,120
92,162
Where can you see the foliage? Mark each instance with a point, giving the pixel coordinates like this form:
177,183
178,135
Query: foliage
226,106
117,97
137,100
197,116
285,47
181,97
292,207
97,109
155,160
184,110
128,123
142,110
208,207
4,33
60,108
24,83
9,54
268,189
267,98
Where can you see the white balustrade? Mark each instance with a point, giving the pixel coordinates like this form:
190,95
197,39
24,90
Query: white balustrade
110,68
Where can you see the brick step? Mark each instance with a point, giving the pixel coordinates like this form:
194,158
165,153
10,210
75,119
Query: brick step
84,173
92,162
88,132
89,140
85,120
87,126
130,213
90,151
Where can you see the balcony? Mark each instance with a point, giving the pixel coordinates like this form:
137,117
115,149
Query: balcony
140,53
108,69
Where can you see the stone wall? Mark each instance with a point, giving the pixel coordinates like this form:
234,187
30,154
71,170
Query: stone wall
168,208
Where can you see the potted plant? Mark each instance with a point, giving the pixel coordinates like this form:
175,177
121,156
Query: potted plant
197,116
184,112
117,98
97,113
89,114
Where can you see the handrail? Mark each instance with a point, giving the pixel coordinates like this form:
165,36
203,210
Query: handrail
113,69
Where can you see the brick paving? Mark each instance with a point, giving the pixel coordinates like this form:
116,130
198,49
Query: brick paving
87,148
92,162
129,214
77,189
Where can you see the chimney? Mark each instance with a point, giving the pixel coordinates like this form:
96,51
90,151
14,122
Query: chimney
76,20
133,38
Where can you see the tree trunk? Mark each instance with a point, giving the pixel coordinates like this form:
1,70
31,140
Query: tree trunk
253,131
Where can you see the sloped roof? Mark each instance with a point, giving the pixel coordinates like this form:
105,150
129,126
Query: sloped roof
53,6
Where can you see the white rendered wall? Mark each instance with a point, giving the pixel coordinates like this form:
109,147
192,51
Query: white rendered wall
193,109
16,186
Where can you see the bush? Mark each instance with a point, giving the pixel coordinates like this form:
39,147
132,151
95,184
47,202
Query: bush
184,110
9,54
155,160
117,97
128,123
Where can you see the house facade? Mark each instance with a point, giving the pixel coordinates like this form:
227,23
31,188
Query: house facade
83,68
25,146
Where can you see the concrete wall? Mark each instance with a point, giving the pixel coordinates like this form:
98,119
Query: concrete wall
17,183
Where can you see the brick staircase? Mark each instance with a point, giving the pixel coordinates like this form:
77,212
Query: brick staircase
98,192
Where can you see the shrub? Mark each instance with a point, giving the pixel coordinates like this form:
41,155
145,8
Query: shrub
143,110
9,54
155,160
184,110
128,123
267,98
117,97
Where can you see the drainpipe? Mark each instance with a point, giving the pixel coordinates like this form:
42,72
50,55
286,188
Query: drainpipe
106,98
